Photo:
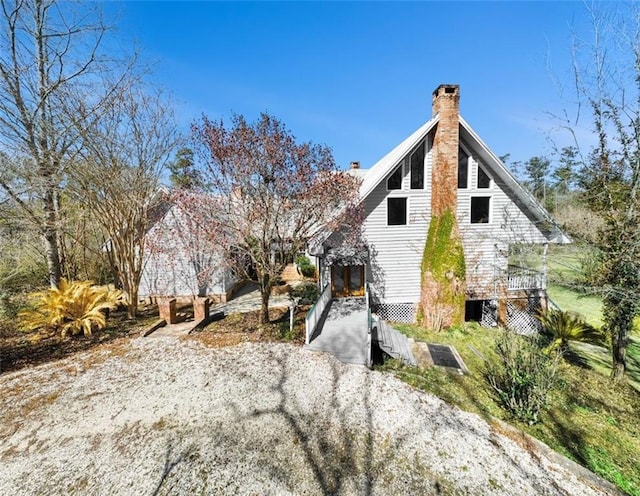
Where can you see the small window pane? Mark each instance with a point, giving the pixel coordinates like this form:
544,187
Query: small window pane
463,169
396,211
480,210
417,168
395,180
484,181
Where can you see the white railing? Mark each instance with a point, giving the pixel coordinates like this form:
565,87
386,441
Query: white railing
367,298
315,313
519,278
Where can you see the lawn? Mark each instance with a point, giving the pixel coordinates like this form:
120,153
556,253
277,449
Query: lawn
590,421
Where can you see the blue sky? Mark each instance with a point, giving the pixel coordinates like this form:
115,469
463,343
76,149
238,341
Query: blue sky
358,76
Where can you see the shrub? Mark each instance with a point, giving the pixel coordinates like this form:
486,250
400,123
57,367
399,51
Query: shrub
522,376
561,327
75,307
307,293
305,266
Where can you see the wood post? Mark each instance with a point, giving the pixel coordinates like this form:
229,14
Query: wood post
502,312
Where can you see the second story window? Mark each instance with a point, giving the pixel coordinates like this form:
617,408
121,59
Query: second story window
396,211
463,169
417,167
395,179
480,209
484,181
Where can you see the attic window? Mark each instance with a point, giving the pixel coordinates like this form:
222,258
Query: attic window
480,208
484,181
396,211
463,169
417,167
395,179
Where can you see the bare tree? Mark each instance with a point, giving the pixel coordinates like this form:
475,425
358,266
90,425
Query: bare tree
607,83
268,194
123,154
50,55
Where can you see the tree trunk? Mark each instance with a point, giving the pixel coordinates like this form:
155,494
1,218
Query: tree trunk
50,235
619,344
132,307
265,293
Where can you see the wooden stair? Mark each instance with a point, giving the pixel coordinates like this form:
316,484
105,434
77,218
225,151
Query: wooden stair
290,273
394,343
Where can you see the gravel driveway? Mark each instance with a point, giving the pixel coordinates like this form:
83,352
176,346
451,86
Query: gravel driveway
172,416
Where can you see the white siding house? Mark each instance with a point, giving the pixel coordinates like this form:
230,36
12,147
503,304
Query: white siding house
180,262
493,213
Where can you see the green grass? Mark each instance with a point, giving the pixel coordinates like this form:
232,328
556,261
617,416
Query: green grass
590,420
589,306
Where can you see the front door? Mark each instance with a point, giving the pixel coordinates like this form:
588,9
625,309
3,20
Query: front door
347,280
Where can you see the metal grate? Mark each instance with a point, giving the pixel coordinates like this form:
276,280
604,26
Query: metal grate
521,316
442,355
396,312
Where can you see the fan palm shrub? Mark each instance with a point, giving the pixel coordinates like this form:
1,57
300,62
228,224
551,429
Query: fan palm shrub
73,308
561,327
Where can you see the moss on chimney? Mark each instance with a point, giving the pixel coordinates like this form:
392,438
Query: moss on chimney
443,272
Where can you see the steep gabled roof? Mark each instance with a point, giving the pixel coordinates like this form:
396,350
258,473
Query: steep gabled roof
388,163
520,196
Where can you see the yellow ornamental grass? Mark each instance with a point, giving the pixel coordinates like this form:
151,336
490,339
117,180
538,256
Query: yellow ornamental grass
75,307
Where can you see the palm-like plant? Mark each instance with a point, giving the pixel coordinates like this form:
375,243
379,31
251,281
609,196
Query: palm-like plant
75,307
562,326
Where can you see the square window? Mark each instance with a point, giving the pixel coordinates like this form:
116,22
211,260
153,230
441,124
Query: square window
484,181
395,179
396,211
480,209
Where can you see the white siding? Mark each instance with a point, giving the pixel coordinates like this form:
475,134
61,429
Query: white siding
396,251
174,259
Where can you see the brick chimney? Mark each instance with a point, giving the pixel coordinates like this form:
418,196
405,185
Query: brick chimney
355,165
443,267
444,175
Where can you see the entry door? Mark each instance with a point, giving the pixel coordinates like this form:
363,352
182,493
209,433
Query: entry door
347,280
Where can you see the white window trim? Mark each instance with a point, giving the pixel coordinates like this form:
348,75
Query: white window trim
491,182
470,161
423,142
471,197
407,210
386,182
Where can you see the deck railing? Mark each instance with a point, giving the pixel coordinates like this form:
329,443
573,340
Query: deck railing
521,278
315,313
367,299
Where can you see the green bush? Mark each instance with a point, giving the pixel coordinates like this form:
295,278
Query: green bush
522,376
305,266
307,293
560,327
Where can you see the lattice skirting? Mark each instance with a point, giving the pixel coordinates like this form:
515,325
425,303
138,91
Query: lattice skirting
521,316
396,312
489,314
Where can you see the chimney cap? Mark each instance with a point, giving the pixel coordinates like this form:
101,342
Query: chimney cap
355,164
450,89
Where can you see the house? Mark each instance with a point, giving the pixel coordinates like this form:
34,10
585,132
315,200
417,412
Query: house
180,260
444,160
